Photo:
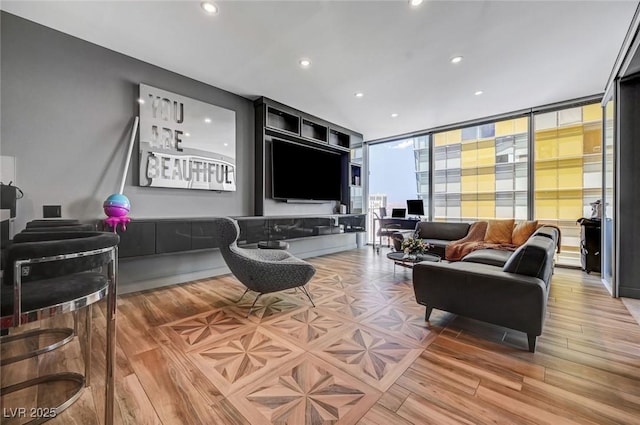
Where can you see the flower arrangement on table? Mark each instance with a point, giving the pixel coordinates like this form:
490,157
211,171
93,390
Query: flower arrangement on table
414,246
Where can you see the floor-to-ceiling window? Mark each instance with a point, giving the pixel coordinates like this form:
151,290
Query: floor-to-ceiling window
568,171
480,172
398,171
422,158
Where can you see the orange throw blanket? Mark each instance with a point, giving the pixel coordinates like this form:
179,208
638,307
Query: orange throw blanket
456,250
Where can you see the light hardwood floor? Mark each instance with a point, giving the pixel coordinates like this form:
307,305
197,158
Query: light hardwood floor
188,355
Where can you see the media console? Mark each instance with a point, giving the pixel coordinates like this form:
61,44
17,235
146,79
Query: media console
154,236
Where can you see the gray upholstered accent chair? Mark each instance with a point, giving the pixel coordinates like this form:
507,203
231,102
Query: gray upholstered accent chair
260,270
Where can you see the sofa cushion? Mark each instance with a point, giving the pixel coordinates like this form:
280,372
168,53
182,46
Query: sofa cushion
534,258
522,231
499,231
493,257
442,231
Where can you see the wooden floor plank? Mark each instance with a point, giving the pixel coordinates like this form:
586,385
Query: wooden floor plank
515,365
172,394
480,369
379,415
418,411
442,396
593,390
523,409
576,402
393,398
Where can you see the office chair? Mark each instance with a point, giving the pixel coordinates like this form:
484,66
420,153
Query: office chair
387,231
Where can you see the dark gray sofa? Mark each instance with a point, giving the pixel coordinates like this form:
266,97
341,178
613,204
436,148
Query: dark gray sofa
500,287
436,234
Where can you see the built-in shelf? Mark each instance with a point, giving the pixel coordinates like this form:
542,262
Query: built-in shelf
276,121
337,138
355,175
281,120
314,131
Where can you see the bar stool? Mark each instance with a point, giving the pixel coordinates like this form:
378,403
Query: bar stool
50,273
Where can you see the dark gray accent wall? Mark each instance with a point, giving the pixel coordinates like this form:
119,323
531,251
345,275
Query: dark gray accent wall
67,110
628,209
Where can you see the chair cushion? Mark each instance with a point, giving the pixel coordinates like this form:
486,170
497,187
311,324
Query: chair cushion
522,231
493,257
29,245
50,292
499,231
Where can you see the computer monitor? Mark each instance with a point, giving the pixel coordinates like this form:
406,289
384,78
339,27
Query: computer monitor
398,212
415,207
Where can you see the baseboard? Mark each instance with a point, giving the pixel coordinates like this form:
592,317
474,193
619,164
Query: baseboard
629,292
324,251
143,285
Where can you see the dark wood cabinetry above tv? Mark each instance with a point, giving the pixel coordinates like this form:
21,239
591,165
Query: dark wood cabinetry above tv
282,121
275,121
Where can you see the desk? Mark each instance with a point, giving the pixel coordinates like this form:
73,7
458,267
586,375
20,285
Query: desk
388,225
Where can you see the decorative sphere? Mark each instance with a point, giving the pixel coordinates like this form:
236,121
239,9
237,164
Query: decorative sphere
116,205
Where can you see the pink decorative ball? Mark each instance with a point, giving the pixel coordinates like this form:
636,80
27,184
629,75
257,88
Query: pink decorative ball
116,205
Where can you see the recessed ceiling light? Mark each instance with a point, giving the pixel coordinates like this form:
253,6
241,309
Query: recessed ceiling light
141,101
207,120
394,115
415,3
359,94
209,7
305,63
187,134
226,144
456,59
478,93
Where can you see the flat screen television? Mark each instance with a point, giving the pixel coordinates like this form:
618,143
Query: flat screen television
415,207
305,173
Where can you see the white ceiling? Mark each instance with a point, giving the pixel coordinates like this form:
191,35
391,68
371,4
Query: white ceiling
520,53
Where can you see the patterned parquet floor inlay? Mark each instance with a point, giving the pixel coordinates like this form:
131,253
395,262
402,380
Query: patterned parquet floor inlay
204,328
407,322
234,361
307,327
188,354
374,357
308,392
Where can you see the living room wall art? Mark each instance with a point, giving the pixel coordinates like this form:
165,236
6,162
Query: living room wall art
185,143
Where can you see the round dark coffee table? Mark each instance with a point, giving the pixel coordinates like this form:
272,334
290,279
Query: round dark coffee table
401,259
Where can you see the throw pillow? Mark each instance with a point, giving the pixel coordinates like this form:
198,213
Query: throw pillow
499,231
523,231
